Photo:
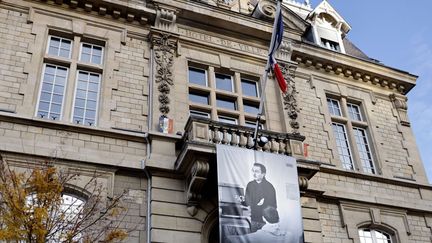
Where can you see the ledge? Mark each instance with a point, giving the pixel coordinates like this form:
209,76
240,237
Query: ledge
119,133
311,56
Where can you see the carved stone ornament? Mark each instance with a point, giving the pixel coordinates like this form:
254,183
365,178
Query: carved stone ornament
197,179
166,19
303,183
264,9
400,103
165,47
290,97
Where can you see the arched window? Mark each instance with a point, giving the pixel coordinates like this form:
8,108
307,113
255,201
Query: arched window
63,218
374,236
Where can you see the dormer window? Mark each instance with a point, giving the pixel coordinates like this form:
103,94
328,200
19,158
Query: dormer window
328,27
330,44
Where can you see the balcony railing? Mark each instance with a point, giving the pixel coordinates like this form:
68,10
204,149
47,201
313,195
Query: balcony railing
205,131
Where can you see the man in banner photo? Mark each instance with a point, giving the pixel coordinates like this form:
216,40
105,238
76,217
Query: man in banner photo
259,197
260,194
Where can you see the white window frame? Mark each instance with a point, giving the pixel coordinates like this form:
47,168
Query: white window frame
206,114
205,74
61,38
235,120
339,106
40,91
232,83
256,87
374,236
370,150
359,110
91,54
347,141
97,98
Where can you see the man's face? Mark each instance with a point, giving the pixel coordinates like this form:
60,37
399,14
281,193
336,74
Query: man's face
257,174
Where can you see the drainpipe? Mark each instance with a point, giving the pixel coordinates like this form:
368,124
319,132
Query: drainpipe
149,127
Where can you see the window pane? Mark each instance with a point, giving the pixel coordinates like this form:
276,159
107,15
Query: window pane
229,120
91,53
354,112
251,108
364,150
59,47
225,103
224,82
199,98
334,107
249,88
197,76
52,92
85,57
85,105
196,113
343,146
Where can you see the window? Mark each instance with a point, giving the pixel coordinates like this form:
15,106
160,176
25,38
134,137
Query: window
364,150
226,103
351,135
56,80
222,95
60,47
249,88
332,45
224,82
374,236
91,53
197,113
70,210
198,98
52,92
250,107
197,76
228,120
86,98
354,112
343,146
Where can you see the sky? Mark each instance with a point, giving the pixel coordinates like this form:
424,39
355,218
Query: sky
399,34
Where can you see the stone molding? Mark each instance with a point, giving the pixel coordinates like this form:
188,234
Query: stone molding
354,216
356,70
130,12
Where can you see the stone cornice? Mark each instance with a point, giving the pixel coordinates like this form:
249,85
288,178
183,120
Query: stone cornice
355,69
239,24
133,12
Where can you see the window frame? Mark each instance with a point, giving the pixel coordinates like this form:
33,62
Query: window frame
351,125
231,81
91,55
61,38
373,232
257,87
97,98
205,75
74,66
40,91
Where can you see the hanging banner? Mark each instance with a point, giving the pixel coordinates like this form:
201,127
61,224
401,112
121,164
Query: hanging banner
259,197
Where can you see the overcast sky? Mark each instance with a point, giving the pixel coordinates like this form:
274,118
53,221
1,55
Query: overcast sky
399,34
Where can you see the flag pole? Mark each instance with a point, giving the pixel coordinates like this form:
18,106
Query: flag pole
265,76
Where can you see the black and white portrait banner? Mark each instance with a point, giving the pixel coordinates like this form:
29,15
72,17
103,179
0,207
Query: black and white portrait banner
259,197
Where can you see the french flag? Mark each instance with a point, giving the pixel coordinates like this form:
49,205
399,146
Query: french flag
275,43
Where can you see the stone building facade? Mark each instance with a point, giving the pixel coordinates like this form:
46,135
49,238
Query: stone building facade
87,82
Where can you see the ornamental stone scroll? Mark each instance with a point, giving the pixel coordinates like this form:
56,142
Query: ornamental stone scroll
165,48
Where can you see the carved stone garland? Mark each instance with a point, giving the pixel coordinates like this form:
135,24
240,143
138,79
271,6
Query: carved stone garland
164,51
290,97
